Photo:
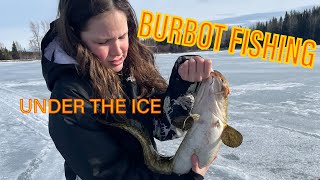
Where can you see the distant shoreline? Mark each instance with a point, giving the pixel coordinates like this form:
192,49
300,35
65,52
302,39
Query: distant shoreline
162,53
19,60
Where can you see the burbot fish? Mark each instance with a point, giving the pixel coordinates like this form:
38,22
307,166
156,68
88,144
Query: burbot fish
210,128
206,135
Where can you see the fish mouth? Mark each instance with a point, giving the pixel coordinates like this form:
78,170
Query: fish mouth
225,90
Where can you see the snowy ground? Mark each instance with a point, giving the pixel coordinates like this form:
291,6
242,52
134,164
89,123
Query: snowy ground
275,106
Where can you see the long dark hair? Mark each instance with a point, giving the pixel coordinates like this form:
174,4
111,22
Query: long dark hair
73,18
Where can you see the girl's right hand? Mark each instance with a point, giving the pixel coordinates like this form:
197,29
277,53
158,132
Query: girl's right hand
195,165
195,70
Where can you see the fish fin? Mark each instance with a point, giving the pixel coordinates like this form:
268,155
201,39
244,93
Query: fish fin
195,117
188,122
185,122
179,121
231,137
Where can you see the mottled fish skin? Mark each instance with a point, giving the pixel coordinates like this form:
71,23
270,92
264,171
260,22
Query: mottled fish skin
155,161
203,139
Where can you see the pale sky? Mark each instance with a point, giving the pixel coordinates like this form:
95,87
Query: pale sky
16,14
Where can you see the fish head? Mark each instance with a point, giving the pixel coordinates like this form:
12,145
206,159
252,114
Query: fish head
212,97
211,103
220,85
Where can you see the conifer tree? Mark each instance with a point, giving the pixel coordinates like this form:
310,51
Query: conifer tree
4,54
14,52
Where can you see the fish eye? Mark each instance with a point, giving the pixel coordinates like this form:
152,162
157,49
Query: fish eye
218,124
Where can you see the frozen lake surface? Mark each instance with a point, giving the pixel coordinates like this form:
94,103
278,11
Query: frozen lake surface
276,107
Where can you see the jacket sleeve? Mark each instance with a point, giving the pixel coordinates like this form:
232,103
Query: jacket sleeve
177,103
89,149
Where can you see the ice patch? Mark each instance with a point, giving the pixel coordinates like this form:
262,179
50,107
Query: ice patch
218,172
266,86
242,89
37,168
315,135
24,83
289,103
313,96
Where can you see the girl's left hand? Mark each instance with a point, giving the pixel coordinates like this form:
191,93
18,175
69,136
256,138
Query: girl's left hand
195,69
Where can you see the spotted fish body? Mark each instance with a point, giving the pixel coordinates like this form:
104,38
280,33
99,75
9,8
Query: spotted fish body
206,135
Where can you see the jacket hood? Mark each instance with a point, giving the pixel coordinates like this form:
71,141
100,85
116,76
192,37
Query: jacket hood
56,63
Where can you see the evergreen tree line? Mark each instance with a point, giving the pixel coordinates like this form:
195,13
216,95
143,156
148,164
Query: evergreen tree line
16,53
38,29
304,25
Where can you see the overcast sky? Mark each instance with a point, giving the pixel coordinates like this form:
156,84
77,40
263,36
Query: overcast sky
16,14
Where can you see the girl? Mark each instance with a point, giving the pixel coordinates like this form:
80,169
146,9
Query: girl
91,52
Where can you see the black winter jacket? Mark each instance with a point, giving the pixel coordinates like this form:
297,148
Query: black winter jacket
94,151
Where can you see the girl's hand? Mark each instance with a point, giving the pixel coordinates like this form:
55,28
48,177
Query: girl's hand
195,165
195,69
